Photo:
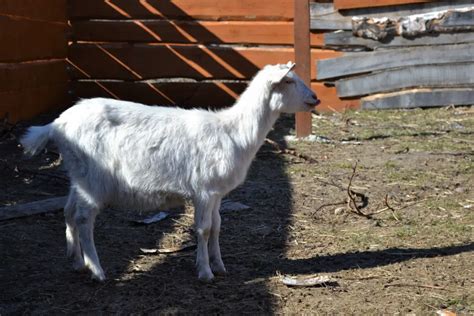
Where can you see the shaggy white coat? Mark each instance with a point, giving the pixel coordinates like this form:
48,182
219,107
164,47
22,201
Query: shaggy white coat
128,155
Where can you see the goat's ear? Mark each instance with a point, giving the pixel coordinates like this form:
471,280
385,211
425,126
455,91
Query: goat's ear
283,71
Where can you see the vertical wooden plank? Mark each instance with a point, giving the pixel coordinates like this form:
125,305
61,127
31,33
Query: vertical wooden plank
303,60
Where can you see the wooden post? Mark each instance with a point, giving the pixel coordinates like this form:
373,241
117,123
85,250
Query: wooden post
303,60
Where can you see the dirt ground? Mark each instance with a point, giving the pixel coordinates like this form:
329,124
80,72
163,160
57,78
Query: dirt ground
413,255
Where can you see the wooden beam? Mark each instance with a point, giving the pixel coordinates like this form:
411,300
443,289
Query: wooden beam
355,63
350,4
303,60
338,40
257,10
139,61
420,98
324,16
447,75
32,208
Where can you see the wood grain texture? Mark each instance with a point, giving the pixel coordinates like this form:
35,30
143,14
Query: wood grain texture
274,10
447,75
355,63
21,76
420,98
46,10
198,32
140,61
191,94
350,4
347,39
303,61
25,104
32,208
324,16
29,40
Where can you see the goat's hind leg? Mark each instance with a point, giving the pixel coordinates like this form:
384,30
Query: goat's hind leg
72,234
217,265
84,219
203,221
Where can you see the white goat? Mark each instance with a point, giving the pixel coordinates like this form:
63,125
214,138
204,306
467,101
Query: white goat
128,155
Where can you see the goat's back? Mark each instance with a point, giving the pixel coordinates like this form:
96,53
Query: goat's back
131,154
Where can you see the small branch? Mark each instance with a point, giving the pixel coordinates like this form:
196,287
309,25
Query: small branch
292,152
390,208
329,204
351,202
415,285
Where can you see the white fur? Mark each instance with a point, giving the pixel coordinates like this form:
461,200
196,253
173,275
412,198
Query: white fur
128,155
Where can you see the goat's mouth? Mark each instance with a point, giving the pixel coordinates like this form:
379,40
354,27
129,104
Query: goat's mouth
313,103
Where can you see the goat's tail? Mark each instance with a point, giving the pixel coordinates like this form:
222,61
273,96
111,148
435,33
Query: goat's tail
35,139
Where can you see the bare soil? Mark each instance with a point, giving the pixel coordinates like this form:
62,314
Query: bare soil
413,255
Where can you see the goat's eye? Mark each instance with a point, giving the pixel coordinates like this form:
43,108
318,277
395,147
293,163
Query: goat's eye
289,81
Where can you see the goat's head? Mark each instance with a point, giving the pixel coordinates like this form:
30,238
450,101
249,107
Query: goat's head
289,93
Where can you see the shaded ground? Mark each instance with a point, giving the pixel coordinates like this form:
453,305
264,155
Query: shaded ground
414,257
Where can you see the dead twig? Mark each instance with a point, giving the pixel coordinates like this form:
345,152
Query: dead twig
351,201
288,151
390,208
414,285
329,204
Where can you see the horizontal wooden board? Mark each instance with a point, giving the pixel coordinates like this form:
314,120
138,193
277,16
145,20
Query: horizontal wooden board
20,76
350,4
447,75
202,32
345,39
48,10
30,40
324,16
355,63
420,98
182,9
330,101
140,61
25,104
192,94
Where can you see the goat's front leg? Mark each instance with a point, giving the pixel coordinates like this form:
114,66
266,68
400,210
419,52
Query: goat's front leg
217,266
204,207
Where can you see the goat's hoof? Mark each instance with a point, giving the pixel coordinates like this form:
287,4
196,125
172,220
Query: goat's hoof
98,277
205,276
218,268
79,266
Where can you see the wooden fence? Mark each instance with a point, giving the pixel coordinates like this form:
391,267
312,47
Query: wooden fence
190,53
202,53
431,67
33,75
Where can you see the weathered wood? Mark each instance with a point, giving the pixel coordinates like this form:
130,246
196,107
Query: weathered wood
350,4
202,32
48,10
420,98
20,76
30,40
32,208
346,38
140,61
26,103
273,10
187,94
325,17
447,75
454,20
354,63
303,61
330,101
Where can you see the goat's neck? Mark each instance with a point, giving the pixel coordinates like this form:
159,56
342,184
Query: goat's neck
251,117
